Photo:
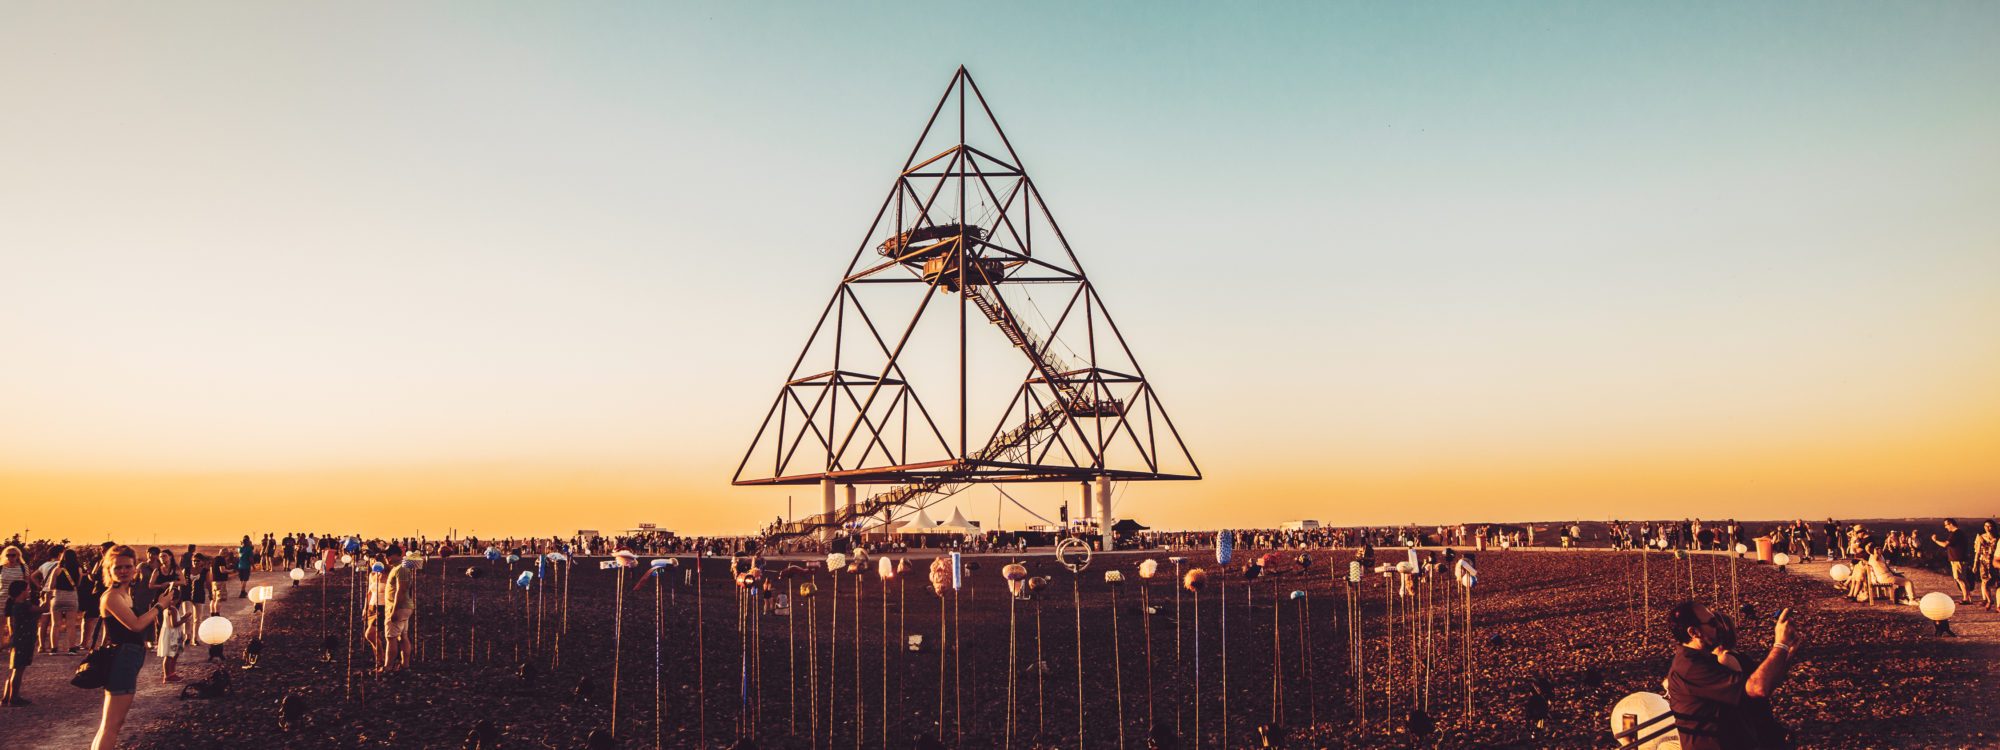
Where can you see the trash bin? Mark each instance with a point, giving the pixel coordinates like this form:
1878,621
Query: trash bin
1764,549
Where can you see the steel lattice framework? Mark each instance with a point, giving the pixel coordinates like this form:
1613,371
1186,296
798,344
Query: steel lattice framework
850,412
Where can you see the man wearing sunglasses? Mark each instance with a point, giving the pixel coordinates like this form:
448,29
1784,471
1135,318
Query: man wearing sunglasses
1720,701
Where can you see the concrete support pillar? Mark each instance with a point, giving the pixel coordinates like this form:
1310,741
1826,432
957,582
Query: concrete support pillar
1104,509
826,494
851,515
1083,508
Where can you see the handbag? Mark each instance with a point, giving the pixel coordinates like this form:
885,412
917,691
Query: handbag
95,670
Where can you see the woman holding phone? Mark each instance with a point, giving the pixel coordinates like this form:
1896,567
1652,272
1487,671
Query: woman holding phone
126,630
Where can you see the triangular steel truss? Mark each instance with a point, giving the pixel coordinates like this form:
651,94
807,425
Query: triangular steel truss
963,224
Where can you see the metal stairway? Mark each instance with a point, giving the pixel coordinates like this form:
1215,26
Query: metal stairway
1012,446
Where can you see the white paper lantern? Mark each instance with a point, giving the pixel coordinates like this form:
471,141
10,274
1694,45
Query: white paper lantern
1937,605
1468,581
1637,708
1405,567
835,561
215,631
319,566
346,559
1781,559
298,574
1741,548
1840,571
260,594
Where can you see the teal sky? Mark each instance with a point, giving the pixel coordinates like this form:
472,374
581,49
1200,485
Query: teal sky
1387,262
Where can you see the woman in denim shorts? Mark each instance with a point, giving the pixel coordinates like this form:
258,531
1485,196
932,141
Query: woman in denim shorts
126,630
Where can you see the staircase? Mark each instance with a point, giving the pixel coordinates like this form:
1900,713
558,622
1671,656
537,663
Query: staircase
1013,446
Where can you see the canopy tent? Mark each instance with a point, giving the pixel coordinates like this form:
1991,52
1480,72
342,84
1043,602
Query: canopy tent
889,527
1128,526
957,525
922,524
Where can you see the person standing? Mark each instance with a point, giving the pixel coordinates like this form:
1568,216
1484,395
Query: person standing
126,629
63,581
1957,546
1982,562
246,559
21,614
400,603
373,619
166,582
87,597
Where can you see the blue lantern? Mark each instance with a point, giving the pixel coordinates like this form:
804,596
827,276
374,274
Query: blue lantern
1225,546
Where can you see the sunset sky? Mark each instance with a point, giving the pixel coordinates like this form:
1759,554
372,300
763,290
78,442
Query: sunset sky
528,268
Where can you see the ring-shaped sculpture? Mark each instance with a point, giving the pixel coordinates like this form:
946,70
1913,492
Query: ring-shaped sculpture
1068,548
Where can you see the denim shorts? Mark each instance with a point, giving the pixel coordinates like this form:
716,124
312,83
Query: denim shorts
124,676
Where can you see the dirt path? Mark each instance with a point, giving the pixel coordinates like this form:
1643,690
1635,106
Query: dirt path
65,718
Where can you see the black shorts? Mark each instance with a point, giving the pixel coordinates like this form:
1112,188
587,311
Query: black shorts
243,574
24,655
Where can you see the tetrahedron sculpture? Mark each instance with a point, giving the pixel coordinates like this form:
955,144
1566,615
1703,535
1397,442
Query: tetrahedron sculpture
963,282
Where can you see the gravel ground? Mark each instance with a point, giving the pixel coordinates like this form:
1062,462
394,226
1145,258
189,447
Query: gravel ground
1572,623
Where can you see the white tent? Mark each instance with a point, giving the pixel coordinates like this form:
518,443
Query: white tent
922,525
890,527
957,525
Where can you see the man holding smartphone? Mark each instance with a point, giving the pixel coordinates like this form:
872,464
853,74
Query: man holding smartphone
1719,701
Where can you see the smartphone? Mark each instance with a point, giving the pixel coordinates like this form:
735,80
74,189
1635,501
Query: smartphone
1784,613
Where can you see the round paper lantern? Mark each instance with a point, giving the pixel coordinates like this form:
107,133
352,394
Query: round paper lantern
346,559
1225,546
626,558
1840,571
260,594
298,574
1781,559
1297,595
835,561
1635,710
215,631
319,566
1149,568
353,544
1937,605
1742,548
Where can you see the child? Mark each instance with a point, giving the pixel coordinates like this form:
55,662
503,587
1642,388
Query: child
22,620
169,643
